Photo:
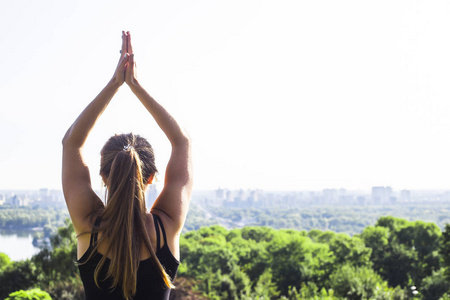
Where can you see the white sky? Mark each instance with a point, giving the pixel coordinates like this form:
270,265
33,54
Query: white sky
276,94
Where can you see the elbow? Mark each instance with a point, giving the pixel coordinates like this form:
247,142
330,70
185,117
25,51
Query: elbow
184,139
65,139
68,138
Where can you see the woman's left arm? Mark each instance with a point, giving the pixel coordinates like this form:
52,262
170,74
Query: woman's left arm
80,198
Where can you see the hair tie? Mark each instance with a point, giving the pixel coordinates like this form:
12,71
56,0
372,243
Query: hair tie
127,147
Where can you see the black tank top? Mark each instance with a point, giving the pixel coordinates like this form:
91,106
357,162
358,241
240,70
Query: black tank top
150,285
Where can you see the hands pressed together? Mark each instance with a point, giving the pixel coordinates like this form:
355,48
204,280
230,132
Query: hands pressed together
125,71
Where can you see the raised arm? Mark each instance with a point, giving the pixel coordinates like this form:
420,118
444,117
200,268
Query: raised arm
175,196
81,200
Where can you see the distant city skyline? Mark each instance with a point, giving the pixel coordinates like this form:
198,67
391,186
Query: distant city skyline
252,198
289,95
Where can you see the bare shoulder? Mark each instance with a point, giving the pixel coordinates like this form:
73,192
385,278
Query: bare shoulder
173,205
83,208
170,227
171,230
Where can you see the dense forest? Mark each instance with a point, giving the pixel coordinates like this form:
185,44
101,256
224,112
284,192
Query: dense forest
351,219
29,217
394,259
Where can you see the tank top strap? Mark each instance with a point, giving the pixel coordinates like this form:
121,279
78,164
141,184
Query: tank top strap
159,223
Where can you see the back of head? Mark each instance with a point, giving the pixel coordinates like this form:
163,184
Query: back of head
127,164
126,143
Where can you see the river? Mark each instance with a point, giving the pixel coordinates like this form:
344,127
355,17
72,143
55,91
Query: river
17,244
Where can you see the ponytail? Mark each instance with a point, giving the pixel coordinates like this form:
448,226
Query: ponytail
124,218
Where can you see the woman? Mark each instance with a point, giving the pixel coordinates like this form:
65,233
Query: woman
124,252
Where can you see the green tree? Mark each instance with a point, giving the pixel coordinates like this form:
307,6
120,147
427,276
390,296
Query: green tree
297,259
258,234
444,251
59,264
350,250
253,257
403,252
424,239
356,283
5,261
265,288
263,263
446,296
434,286
18,275
34,294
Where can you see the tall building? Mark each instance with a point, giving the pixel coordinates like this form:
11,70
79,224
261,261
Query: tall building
220,194
330,195
405,196
44,195
381,194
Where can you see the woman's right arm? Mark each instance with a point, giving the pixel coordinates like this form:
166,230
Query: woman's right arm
175,196
80,198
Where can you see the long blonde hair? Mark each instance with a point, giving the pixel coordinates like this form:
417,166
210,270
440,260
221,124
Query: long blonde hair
127,162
